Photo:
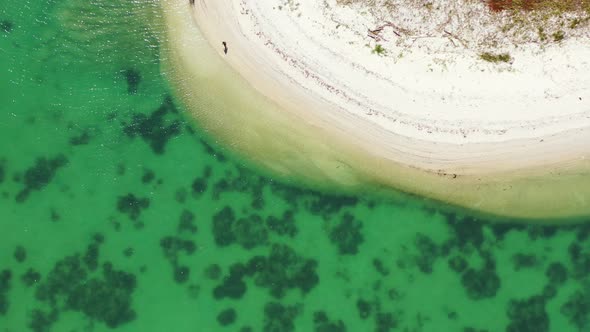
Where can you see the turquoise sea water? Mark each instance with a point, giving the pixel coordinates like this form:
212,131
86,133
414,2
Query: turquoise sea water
117,213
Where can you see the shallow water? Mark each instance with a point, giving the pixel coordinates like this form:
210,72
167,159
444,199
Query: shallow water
116,213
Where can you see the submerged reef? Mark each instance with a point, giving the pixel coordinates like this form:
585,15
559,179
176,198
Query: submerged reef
40,175
222,233
278,317
323,324
130,202
226,317
273,260
132,205
133,78
282,270
5,285
156,129
75,283
347,235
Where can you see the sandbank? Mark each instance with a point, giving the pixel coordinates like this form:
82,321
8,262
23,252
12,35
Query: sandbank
307,101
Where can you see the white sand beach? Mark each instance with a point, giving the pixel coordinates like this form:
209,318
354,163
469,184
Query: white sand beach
304,91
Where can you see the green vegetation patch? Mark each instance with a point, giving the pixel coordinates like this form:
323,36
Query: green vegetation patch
495,58
379,50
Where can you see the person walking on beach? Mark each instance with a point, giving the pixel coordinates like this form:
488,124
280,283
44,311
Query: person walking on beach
224,47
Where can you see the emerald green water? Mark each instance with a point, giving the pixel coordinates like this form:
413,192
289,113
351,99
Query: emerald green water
116,213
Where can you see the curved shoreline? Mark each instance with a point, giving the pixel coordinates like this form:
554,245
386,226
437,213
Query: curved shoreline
251,107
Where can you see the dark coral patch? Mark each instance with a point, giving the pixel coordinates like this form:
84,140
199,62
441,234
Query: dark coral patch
41,321
524,261
481,283
233,285
364,308
577,309
2,171
347,235
70,286
81,139
61,280
154,129
199,186
500,230
181,274
5,278
244,181
40,175
278,317
528,315
323,324
173,246
583,231
20,254
284,225
250,231
114,291
326,205
133,78
290,194
428,252
54,216
580,260
380,267
541,231
467,231
92,252
128,252
91,256
556,273
132,205
148,176
31,277
385,321
226,317
281,271
186,223
458,264
222,227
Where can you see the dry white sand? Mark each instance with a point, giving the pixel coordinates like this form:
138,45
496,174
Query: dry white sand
429,116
